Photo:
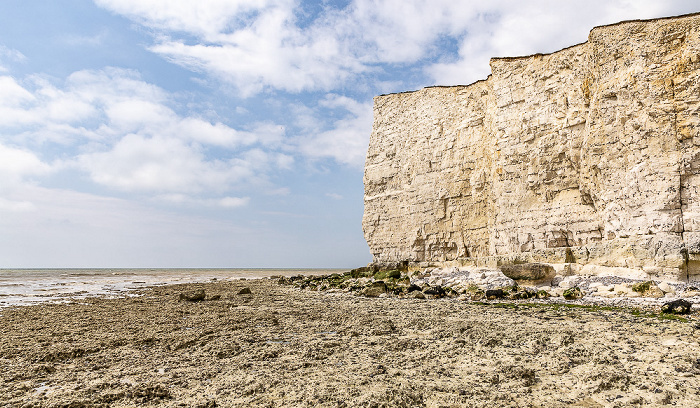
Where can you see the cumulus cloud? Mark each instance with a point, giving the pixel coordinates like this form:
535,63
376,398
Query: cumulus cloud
347,139
269,43
18,164
124,134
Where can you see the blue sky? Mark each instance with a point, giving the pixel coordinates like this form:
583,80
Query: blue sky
222,133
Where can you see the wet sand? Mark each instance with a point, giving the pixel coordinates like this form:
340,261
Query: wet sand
281,346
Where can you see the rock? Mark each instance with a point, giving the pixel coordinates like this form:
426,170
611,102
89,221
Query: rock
413,288
530,162
196,295
680,306
495,294
573,293
245,291
642,287
528,271
434,291
648,289
416,295
542,294
374,289
523,293
391,274
666,288
654,292
568,282
476,295
556,292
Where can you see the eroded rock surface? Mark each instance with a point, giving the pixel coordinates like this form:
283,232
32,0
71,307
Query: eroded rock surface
587,159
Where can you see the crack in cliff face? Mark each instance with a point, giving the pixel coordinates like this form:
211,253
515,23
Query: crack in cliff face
681,181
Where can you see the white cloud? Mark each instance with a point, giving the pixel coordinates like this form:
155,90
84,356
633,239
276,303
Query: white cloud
124,134
224,202
205,18
346,142
17,164
503,28
262,44
11,206
8,54
233,202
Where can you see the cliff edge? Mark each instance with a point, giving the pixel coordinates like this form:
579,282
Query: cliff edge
587,159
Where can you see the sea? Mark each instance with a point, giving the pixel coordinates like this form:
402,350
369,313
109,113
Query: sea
19,287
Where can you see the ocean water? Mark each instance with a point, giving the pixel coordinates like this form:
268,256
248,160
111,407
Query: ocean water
30,286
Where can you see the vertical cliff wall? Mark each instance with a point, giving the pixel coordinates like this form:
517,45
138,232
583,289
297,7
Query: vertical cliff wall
587,158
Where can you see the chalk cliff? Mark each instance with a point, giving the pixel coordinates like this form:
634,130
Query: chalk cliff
587,158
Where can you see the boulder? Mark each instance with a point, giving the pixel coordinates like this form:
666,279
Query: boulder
666,288
245,291
528,271
542,294
374,289
648,289
573,293
680,306
416,294
196,295
495,294
413,288
434,291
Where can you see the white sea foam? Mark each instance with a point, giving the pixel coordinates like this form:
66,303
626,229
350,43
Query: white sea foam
30,286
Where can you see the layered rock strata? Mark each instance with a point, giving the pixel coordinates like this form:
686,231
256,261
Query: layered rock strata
587,159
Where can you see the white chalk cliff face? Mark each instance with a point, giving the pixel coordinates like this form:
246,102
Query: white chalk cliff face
587,159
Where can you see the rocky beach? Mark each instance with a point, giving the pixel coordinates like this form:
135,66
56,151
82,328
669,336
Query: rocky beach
262,343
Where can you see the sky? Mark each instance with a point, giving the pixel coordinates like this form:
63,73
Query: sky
229,133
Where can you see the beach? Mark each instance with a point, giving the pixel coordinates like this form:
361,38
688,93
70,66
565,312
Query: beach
280,346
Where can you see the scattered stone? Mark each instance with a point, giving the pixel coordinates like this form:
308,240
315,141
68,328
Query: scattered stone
528,271
642,287
477,295
413,288
573,293
654,292
245,291
680,306
434,291
196,295
492,294
416,294
542,294
666,288
375,289
647,289
568,282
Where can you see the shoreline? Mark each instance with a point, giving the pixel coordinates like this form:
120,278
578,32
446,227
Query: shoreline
282,346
